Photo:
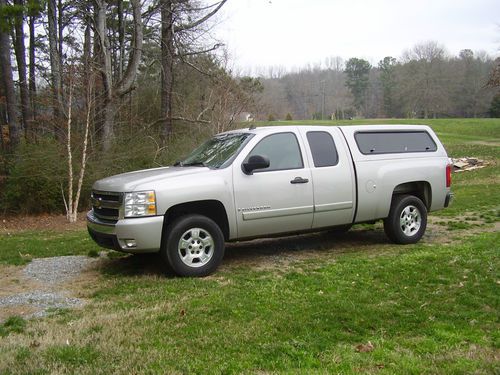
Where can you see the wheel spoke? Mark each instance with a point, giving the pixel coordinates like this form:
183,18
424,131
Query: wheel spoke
195,233
207,241
183,244
204,257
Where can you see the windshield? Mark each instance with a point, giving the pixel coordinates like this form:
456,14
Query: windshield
216,151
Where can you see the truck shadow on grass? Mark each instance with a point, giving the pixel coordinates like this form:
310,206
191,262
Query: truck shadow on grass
261,254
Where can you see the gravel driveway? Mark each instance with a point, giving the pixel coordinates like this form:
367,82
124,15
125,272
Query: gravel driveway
43,285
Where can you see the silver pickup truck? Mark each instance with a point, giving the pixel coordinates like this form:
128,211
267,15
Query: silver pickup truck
259,182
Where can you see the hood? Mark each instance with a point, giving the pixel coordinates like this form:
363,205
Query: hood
126,182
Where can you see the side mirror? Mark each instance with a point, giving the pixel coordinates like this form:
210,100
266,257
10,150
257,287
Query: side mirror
255,162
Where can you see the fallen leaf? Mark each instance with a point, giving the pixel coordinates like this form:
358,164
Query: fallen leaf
365,348
34,344
183,312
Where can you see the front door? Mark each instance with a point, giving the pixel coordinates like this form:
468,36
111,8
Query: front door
276,199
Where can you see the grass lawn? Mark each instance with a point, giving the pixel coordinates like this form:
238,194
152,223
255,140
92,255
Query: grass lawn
313,304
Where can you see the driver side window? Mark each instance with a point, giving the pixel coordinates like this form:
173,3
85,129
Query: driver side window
283,152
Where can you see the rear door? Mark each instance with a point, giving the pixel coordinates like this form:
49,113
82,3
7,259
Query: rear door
279,198
332,174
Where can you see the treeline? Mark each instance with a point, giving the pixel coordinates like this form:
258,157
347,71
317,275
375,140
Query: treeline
90,88
425,82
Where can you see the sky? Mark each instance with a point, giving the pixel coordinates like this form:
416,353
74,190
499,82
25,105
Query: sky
294,33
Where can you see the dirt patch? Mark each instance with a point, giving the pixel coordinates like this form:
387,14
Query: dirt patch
278,253
57,223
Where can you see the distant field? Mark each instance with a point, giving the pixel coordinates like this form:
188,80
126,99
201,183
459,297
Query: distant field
316,303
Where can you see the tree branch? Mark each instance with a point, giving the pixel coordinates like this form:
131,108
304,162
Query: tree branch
192,53
125,84
198,22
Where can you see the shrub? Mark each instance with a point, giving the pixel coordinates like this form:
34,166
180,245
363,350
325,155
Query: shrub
495,106
35,175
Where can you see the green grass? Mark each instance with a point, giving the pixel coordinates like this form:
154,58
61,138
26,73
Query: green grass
426,308
14,324
19,248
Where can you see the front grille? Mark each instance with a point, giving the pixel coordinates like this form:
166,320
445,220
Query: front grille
106,205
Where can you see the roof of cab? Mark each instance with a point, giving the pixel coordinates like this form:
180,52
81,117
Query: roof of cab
348,128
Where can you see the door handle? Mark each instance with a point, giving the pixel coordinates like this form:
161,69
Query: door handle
299,180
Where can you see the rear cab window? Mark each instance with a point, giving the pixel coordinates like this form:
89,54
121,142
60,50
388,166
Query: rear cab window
394,142
323,149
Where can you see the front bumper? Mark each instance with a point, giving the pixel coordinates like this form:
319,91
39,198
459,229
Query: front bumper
134,235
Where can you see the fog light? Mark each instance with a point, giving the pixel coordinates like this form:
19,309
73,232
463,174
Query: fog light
130,243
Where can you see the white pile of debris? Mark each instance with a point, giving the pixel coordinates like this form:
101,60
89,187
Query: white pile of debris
467,164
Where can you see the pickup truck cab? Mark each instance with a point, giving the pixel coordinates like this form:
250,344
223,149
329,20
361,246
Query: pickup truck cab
259,182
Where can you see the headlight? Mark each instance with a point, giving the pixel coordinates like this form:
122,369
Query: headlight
140,203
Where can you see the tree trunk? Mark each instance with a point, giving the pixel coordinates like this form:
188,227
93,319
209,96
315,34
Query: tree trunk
121,39
60,30
20,50
32,80
116,91
86,61
55,67
167,65
8,82
106,74
3,113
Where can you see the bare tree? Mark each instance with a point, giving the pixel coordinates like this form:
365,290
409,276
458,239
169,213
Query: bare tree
8,82
55,63
32,60
425,80
178,17
494,79
20,51
116,90
73,198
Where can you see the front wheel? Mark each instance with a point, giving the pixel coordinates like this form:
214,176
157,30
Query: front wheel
194,246
407,220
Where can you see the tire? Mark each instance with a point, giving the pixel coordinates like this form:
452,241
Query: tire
194,246
407,220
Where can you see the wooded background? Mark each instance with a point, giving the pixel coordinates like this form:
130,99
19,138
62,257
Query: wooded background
426,82
92,88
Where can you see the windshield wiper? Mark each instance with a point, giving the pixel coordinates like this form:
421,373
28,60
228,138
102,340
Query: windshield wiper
193,164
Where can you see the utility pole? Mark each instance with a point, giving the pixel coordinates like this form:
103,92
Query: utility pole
323,82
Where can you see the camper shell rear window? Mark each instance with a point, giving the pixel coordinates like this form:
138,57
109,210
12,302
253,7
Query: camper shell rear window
394,142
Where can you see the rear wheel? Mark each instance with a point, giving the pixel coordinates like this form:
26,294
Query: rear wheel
194,246
407,220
